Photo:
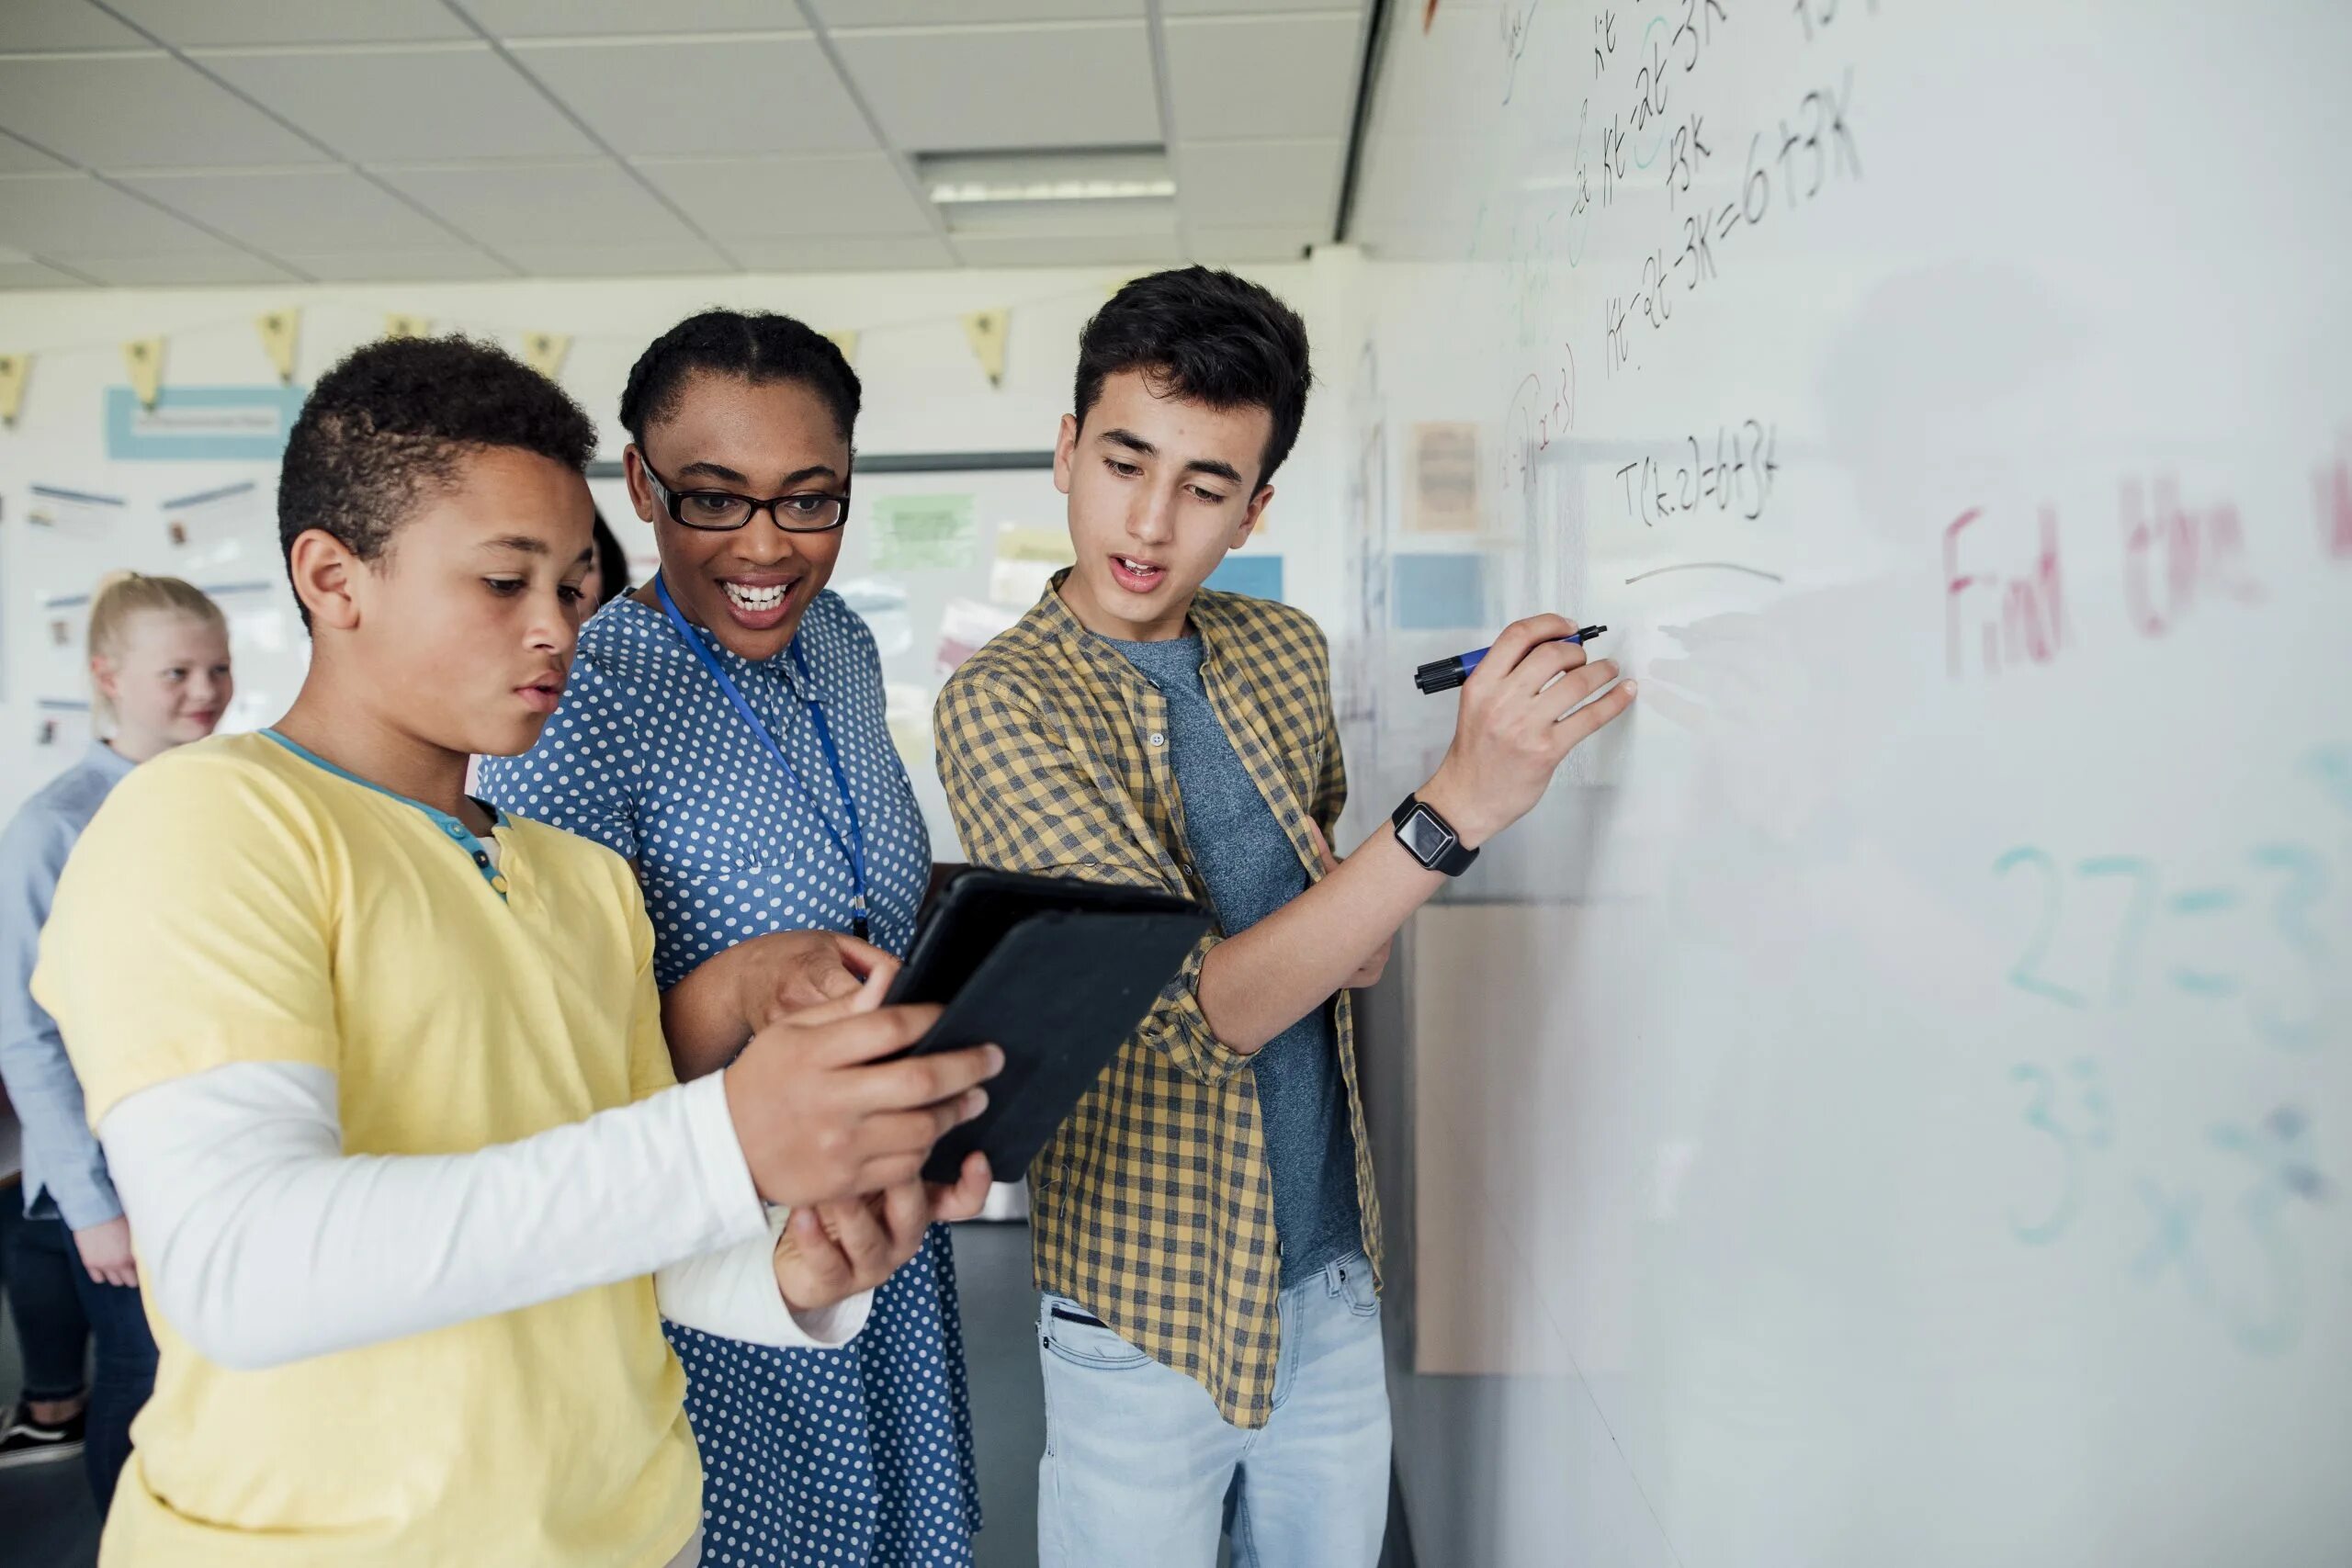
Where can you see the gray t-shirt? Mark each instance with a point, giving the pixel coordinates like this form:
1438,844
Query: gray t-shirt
1251,871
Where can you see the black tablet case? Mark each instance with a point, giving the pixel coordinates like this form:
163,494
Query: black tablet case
1060,992
977,907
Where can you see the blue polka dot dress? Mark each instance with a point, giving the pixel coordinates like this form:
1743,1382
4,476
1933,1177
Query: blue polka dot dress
862,1454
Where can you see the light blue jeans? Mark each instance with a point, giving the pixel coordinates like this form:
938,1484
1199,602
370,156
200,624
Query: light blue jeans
1139,1466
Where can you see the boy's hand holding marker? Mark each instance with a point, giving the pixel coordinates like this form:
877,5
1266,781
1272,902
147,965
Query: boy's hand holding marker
834,1130
1515,728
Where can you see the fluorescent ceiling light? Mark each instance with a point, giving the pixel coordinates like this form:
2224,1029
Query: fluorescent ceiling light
1065,191
966,193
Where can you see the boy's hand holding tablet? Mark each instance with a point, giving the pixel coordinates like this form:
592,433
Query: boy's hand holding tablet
838,1134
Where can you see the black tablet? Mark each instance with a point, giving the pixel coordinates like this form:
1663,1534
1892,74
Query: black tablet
1060,974
977,907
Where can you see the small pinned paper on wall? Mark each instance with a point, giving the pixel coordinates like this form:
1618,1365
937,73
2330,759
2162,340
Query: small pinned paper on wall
214,526
1437,592
906,708
1441,490
1260,577
1027,559
915,532
77,514
62,724
965,627
882,605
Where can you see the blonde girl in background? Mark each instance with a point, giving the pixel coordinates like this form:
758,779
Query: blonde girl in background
159,678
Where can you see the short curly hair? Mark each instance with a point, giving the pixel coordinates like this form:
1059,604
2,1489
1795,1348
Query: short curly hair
400,415
758,346
1205,336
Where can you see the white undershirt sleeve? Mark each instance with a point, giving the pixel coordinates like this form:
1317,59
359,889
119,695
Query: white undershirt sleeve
264,1243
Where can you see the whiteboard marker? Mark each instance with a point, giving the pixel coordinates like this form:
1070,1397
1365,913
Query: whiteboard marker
1444,674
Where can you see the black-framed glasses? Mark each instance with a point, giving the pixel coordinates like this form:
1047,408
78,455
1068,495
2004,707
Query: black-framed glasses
718,511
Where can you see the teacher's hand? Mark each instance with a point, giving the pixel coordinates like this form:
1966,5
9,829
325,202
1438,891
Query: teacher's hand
707,1016
784,973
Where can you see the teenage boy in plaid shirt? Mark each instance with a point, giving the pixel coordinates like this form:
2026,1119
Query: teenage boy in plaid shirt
1206,1230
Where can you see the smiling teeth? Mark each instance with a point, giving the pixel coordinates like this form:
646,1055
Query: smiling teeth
756,598
1137,567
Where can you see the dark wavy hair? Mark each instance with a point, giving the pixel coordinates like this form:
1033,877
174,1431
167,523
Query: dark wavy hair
1206,336
758,346
401,415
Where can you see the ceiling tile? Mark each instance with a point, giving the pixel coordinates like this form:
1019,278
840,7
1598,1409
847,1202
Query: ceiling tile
1067,250
287,210
194,23
29,273
18,158
894,253
428,265
224,266
1262,244
1232,184
139,111
62,24
506,206
67,216
682,96
951,89
596,18
838,15
393,105
680,253
1262,76
792,197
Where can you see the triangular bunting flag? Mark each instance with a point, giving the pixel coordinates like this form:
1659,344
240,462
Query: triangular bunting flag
987,330
144,355
845,341
408,326
280,329
14,369
544,351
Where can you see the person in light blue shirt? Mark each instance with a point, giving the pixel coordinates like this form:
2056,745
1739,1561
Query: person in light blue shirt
160,678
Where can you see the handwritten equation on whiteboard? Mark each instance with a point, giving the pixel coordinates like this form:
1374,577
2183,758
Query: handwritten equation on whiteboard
2250,949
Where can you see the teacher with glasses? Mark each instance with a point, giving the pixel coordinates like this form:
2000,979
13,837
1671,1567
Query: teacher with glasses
724,731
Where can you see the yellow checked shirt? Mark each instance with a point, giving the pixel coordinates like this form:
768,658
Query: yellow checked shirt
1154,1205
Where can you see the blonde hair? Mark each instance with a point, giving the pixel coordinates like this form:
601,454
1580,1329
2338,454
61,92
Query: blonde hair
119,599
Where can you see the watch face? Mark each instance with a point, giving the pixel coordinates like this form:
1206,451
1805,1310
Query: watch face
1422,835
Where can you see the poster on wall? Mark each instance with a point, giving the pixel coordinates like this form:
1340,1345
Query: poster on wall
62,727
1442,494
923,532
73,514
1027,559
202,425
214,527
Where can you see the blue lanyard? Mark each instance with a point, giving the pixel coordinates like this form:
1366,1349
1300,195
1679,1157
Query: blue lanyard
852,849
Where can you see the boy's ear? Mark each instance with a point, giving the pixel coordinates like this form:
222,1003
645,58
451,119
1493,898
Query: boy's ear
1066,453
324,569
1250,515
103,676
641,492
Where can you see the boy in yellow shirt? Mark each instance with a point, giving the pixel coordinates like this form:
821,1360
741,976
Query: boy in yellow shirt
379,1070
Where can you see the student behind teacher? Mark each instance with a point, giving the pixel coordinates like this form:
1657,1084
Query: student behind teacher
379,1072
159,678
1205,1230
724,731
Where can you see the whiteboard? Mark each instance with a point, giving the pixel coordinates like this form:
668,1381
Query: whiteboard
1893,1102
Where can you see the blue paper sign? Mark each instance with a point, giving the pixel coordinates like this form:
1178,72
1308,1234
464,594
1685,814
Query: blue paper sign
238,424
1260,577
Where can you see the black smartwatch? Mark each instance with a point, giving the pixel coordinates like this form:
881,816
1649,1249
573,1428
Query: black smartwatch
1430,838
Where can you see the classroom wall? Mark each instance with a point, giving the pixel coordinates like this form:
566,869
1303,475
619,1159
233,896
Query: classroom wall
925,392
